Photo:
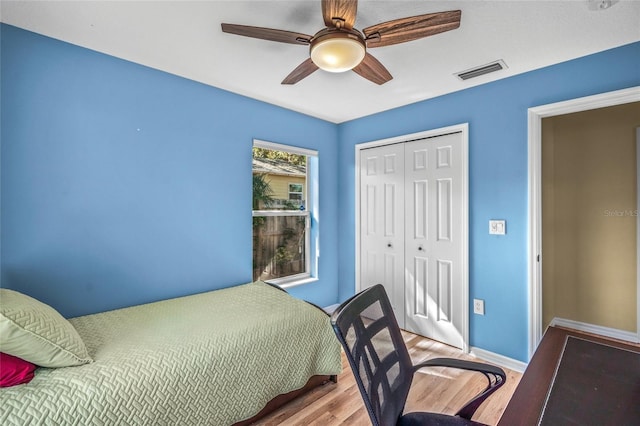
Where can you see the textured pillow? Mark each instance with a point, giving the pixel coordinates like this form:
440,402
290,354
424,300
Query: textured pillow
37,333
14,371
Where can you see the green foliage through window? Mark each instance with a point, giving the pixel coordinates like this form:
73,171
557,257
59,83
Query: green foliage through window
271,154
262,192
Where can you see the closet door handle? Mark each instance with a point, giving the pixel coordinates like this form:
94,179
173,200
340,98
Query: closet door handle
419,248
389,245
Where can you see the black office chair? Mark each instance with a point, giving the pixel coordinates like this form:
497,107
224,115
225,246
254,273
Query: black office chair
371,338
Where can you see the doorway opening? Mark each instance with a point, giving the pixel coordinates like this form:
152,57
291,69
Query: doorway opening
537,320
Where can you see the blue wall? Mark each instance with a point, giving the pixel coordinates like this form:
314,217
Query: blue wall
498,171
122,184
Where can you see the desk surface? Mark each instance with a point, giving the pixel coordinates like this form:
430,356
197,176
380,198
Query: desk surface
528,400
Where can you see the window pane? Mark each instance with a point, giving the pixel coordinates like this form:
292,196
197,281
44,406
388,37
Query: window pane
281,219
279,180
278,246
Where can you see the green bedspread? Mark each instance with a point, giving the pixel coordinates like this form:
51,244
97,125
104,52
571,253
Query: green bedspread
209,359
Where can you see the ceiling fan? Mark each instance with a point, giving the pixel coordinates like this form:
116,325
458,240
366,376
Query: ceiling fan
339,47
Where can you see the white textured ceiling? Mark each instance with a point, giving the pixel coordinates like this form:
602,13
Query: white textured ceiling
184,38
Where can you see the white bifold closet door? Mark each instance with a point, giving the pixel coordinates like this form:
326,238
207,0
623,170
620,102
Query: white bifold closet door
382,222
411,239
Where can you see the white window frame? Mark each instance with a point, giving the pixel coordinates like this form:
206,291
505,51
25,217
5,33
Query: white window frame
311,209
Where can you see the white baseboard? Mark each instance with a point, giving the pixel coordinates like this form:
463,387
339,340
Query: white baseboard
520,366
627,336
500,360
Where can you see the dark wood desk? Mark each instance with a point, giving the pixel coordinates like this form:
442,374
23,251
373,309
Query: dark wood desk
527,403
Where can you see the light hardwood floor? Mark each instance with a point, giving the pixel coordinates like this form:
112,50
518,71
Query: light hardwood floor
441,390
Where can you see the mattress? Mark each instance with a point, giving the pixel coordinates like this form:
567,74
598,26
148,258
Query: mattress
209,359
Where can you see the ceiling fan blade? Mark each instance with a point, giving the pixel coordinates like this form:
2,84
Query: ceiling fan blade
303,70
339,13
371,69
267,34
411,28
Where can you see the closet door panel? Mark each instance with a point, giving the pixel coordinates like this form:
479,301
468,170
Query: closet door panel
382,222
433,235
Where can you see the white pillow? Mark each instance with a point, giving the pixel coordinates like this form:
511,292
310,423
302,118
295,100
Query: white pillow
37,333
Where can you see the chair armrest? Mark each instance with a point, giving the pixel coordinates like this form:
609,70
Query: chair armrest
495,376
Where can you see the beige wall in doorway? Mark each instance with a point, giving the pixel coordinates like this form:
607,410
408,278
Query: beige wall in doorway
589,217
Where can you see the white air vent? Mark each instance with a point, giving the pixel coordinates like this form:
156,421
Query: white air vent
482,70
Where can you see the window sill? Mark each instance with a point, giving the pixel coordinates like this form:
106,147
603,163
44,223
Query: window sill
285,284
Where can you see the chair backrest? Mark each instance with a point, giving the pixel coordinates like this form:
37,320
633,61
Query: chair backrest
373,344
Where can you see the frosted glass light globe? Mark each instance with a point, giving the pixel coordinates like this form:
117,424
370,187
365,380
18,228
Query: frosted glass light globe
337,54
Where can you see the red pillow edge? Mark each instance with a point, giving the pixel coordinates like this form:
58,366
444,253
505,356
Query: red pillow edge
15,371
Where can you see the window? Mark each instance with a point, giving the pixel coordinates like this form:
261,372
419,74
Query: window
295,192
284,207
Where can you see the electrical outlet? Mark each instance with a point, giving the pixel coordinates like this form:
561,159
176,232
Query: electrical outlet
478,306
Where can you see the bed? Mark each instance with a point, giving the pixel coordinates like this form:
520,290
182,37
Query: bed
215,358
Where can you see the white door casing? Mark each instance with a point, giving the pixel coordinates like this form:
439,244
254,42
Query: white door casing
535,255
438,311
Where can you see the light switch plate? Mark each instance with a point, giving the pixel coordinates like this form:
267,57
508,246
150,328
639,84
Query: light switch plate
497,227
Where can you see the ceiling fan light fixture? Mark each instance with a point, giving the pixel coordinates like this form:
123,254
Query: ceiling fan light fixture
337,51
340,47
